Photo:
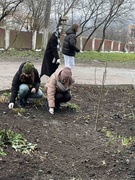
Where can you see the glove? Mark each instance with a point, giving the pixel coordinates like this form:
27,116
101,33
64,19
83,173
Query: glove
51,110
81,51
53,61
58,61
11,105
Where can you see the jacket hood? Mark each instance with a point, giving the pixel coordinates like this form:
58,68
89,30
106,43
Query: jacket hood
57,73
70,31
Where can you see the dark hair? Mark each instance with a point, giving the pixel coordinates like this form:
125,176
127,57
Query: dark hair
75,27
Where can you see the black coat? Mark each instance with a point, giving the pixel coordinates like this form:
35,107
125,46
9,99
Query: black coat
51,52
69,45
17,82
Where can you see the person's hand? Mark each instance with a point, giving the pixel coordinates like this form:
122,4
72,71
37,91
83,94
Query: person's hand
51,110
81,51
33,90
11,105
58,61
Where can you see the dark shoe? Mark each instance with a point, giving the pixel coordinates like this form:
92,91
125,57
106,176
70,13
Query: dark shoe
57,107
25,101
21,103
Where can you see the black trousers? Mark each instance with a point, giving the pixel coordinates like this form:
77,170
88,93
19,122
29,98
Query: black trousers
62,97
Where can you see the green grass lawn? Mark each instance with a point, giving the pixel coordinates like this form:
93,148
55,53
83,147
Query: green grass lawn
106,56
85,56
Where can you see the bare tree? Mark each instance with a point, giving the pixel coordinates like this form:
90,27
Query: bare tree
116,8
92,15
101,13
36,17
8,7
62,8
91,19
59,9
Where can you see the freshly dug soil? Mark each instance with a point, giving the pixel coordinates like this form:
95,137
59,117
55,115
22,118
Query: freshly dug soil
92,142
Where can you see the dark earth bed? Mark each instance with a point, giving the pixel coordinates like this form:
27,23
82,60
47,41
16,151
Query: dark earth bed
69,147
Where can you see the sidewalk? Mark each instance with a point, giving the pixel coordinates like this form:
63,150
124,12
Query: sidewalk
84,74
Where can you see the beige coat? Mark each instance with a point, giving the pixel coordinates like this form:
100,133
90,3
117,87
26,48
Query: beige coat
51,86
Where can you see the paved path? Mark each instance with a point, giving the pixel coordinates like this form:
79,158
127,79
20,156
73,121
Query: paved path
84,74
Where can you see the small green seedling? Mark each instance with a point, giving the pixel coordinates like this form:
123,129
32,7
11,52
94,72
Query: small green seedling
73,106
18,110
17,141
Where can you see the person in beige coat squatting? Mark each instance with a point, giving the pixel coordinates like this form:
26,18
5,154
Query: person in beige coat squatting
58,88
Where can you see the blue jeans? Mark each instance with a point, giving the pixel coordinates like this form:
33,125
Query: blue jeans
24,92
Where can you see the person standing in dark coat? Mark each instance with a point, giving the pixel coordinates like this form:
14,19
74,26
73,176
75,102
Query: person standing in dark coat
69,48
51,59
25,85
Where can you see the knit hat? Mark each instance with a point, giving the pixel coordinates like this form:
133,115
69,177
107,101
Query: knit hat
28,68
66,73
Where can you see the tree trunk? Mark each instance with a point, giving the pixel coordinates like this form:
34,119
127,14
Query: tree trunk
102,41
46,24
